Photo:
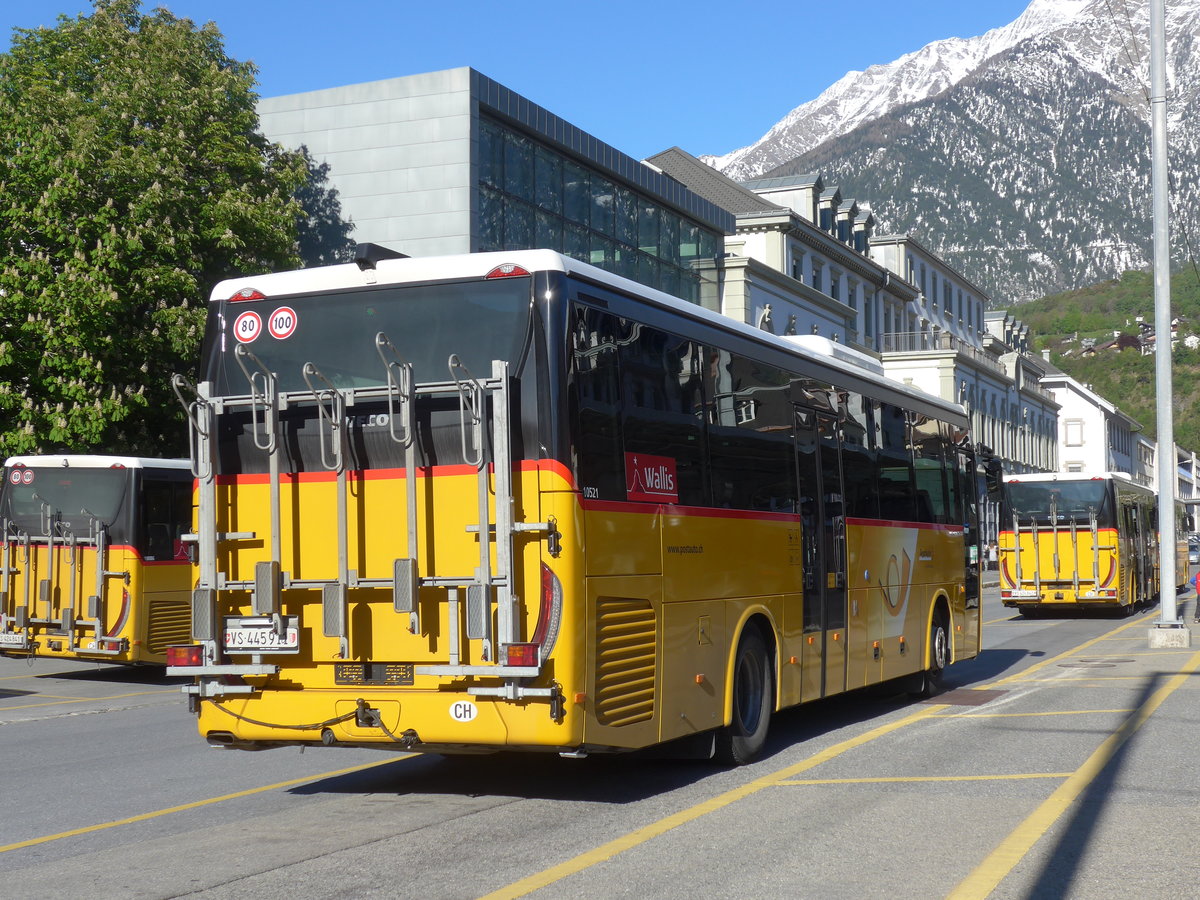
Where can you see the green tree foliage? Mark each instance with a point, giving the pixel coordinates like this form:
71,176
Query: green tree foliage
1124,376
132,178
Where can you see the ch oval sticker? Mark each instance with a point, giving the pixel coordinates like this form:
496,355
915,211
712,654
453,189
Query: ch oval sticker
463,711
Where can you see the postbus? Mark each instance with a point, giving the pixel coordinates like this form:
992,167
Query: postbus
1080,541
92,564
510,500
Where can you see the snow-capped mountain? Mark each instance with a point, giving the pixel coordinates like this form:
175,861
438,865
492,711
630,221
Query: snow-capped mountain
1021,155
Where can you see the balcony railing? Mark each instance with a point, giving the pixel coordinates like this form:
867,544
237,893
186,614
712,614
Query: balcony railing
941,342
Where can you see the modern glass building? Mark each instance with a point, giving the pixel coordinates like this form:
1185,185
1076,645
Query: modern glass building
453,162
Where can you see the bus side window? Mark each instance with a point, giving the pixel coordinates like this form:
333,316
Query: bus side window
858,456
596,404
896,500
156,537
166,512
929,468
663,406
752,457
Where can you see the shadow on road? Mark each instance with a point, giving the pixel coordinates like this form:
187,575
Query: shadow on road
104,673
620,777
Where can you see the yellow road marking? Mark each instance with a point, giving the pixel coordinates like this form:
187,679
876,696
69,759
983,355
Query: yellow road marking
142,817
4,709
938,778
640,836
1017,676
988,875
606,851
1063,712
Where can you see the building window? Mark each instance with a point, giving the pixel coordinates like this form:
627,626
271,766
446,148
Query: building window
532,196
816,275
835,286
1073,432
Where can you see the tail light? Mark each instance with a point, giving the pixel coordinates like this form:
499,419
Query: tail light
521,654
545,633
185,655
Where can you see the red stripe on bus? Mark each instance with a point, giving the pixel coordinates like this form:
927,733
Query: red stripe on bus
668,509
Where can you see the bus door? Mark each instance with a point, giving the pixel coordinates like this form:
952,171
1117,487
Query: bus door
823,533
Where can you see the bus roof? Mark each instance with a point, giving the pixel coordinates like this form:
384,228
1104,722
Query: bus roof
81,461
1072,476
478,265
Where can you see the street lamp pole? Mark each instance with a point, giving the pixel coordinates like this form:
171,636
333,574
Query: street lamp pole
1170,629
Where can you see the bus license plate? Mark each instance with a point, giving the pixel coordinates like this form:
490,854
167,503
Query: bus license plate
12,639
256,634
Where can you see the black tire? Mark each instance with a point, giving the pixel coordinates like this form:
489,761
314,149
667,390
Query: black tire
753,700
932,680
1030,612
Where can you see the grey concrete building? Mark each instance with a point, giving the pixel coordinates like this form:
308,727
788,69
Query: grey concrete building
453,162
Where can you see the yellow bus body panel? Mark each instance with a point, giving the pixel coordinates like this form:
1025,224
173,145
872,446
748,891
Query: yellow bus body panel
1059,571
654,602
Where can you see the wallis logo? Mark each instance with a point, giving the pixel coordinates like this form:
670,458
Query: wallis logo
651,478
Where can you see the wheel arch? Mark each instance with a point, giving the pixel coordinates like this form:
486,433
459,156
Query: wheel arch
940,607
760,619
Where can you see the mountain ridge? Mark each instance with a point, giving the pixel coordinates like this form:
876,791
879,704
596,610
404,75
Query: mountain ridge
1029,169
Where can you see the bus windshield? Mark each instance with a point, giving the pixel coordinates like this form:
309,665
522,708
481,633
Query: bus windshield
34,496
1067,501
478,320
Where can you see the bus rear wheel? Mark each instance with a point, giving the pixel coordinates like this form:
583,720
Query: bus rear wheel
753,695
932,679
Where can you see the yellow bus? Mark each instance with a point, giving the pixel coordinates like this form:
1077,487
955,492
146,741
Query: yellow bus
510,500
1080,541
92,564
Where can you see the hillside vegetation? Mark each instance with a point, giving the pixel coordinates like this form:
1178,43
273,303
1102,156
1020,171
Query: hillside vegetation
1061,323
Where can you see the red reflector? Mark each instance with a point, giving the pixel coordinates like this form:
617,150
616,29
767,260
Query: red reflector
508,270
522,654
247,294
185,655
1006,593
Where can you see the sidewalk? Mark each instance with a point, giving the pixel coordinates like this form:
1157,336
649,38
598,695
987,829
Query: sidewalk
1115,721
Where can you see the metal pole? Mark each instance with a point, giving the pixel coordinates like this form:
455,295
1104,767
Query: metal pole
1162,318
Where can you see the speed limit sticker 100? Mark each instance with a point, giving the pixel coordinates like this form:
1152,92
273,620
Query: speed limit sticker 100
282,322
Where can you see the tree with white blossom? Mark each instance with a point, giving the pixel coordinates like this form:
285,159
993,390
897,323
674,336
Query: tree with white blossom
132,177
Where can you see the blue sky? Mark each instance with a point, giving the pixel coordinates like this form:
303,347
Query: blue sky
641,76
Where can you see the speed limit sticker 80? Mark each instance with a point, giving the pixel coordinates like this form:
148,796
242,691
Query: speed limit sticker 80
247,327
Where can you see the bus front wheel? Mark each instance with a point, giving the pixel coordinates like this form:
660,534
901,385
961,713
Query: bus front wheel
742,739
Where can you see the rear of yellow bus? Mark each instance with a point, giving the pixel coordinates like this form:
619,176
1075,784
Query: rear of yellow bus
79,577
1061,548
384,548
